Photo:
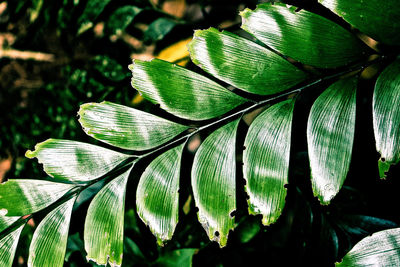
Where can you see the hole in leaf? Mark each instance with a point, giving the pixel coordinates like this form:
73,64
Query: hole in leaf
216,233
233,214
383,159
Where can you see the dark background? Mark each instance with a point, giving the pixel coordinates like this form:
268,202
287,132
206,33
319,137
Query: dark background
50,65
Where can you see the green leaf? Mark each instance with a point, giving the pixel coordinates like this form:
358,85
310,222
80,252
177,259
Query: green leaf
376,18
49,241
330,136
121,18
75,161
266,161
243,63
20,197
214,182
104,224
157,197
109,68
380,249
126,127
92,10
6,221
8,245
386,116
179,257
181,92
303,36
158,29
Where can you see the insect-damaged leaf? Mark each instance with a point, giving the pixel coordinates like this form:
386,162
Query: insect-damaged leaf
20,197
330,136
376,18
157,195
75,161
49,241
104,225
181,92
242,63
380,249
126,127
214,184
386,116
266,160
303,36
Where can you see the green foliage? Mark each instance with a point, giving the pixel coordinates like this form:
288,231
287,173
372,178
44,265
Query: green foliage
200,104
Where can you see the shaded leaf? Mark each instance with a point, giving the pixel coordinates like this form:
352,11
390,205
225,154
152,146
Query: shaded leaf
303,36
181,92
49,241
92,10
75,161
157,197
75,243
380,249
243,63
126,127
266,161
109,68
214,182
121,18
8,245
378,19
158,29
386,116
330,136
179,257
20,197
104,224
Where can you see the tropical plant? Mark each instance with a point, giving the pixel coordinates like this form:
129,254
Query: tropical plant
289,51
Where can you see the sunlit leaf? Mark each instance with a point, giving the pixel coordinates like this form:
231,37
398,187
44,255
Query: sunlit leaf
386,116
121,18
376,18
330,136
20,197
243,63
157,195
6,221
49,241
214,182
104,224
8,245
75,161
303,36
126,127
381,249
181,92
266,160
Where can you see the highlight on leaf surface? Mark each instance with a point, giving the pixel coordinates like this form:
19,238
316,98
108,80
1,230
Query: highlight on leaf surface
214,182
386,116
104,224
330,136
242,63
266,160
181,92
157,196
303,36
75,161
126,127
8,246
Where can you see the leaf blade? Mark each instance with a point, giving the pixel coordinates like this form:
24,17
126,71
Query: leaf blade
266,160
8,246
330,136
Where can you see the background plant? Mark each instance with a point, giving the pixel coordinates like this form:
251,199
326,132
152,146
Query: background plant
150,78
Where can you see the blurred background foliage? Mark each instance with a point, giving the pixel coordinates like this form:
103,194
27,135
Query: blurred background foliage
57,55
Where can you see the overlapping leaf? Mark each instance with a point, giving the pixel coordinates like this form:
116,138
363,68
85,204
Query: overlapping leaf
75,161
20,197
303,36
266,160
243,63
181,92
381,249
157,195
386,116
330,136
104,225
214,184
126,127
8,245
378,19
49,241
